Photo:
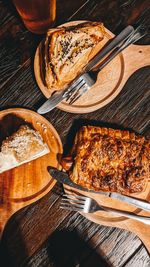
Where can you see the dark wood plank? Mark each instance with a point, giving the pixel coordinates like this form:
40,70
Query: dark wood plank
65,245
115,247
17,44
19,92
120,108
21,229
67,9
114,14
33,235
139,259
127,107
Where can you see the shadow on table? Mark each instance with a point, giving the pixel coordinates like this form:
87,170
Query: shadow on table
12,247
63,248
66,249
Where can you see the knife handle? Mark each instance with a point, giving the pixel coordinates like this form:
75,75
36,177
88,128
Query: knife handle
143,219
133,201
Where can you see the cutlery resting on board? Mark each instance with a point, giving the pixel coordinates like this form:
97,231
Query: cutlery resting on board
63,178
57,97
87,78
85,204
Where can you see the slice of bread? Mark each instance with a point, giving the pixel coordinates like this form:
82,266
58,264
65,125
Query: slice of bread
68,50
22,146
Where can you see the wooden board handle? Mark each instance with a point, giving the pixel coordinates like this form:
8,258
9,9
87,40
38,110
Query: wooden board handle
136,57
143,232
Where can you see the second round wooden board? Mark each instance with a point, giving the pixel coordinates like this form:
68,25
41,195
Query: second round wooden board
103,216
110,80
29,182
108,219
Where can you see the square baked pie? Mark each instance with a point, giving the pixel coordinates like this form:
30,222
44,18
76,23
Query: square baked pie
24,145
110,160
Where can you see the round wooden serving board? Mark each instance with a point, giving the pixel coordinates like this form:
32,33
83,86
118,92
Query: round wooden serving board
110,80
29,182
109,219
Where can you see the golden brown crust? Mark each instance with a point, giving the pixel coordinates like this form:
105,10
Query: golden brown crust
68,50
22,146
110,160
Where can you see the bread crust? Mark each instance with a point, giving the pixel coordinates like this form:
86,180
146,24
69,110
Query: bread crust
68,50
22,146
110,160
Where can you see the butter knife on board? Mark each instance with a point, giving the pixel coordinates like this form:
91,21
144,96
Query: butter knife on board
60,95
63,177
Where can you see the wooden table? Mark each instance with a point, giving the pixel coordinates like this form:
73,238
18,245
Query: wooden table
42,234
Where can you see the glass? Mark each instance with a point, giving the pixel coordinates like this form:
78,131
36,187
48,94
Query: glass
37,15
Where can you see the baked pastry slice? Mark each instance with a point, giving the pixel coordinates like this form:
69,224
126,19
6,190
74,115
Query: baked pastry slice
110,160
68,50
23,146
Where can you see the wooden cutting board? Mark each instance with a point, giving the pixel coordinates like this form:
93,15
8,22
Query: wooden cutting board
101,217
110,80
29,182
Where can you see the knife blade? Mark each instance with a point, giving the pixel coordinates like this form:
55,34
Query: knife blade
58,96
63,177
52,102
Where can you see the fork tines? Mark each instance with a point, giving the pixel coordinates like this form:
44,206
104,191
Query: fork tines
73,202
77,86
81,86
76,95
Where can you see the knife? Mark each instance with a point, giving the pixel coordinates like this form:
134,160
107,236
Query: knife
63,177
55,99
58,96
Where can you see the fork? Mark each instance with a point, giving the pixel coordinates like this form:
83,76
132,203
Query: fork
85,204
86,81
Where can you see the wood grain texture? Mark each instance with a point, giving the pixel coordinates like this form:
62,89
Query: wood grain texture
108,219
110,80
28,234
29,182
138,260
17,45
110,250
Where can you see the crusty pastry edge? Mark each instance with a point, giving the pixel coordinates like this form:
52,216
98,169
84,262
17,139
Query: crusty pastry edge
49,72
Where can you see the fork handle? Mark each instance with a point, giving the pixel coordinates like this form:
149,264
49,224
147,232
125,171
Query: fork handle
114,53
108,48
142,219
